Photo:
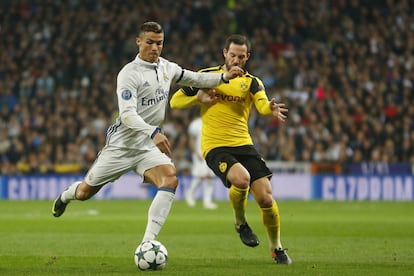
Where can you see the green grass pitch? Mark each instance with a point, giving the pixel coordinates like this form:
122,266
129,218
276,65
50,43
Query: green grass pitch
99,237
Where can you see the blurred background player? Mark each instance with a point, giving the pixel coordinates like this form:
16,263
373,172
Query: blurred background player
201,173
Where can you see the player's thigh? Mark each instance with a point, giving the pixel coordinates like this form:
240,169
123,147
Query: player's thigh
220,160
110,164
157,169
239,176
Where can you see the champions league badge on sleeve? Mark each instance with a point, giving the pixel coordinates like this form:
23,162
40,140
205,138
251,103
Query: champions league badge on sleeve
126,94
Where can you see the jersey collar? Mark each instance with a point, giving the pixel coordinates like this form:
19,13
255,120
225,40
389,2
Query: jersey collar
145,63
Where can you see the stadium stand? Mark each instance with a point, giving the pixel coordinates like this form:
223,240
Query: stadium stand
344,68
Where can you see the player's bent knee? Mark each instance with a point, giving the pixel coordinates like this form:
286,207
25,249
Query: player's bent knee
240,181
171,182
265,201
241,184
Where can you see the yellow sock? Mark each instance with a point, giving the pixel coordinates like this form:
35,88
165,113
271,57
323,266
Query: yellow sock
271,221
238,200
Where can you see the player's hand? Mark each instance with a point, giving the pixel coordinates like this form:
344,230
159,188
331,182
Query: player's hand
235,71
278,109
207,96
161,141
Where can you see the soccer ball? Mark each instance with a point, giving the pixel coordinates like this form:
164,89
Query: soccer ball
151,255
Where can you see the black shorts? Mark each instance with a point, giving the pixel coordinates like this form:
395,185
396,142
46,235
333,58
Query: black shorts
221,159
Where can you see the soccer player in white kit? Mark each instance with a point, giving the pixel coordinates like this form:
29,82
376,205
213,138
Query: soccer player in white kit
135,142
201,173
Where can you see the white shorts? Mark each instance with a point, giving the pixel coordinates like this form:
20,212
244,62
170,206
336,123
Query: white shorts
201,169
113,162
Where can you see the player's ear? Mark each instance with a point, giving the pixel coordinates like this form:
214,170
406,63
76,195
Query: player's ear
224,52
247,56
137,41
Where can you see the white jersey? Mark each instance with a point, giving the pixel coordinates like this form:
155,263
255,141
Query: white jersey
200,167
143,92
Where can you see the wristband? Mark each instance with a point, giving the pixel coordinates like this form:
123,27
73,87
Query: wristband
157,130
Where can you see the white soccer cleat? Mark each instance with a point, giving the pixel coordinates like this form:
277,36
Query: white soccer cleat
189,199
210,206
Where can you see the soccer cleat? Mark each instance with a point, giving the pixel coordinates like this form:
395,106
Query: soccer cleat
58,207
210,206
247,236
281,257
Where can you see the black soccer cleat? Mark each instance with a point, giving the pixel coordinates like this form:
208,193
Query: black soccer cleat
281,257
58,207
247,236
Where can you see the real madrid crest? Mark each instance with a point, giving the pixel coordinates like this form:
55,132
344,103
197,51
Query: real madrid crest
165,76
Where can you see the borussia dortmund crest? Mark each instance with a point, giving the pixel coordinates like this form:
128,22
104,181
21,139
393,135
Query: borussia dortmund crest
223,167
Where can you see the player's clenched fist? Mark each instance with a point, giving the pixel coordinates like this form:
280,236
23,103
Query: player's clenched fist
235,71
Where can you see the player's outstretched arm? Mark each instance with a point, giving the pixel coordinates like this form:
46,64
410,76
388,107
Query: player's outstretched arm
205,79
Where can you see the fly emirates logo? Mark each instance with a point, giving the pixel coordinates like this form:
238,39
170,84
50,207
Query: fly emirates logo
160,95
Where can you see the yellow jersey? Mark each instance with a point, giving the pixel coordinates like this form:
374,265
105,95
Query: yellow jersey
225,124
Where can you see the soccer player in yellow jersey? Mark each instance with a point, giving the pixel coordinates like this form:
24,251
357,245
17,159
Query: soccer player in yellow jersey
228,147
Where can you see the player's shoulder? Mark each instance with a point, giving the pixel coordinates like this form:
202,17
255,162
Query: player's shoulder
212,69
168,66
130,66
256,84
251,76
163,62
130,72
124,72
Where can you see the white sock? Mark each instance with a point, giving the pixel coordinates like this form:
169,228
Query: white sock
70,192
193,186
208,191
158,213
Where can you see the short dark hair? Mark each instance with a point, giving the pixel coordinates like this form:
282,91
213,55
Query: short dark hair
150,26
239,40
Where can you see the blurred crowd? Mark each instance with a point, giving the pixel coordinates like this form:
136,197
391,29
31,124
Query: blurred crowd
343,67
